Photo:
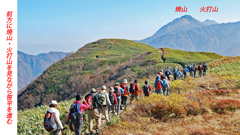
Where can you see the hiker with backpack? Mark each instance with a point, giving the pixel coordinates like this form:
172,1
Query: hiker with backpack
126,93
200,69
168,73
75,114
179,74
190,68
157,85
204,68
168,86
113,100
161,73
52,121
118,91
134,90
146,89
175,70
194,70
185,70
164,84
93,113
103,99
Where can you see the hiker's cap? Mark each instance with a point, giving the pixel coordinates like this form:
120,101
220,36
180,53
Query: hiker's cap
93,90
103,87
53,102
111,89
116,84
161,70
124,80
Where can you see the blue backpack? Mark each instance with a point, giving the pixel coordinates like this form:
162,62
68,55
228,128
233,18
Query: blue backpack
75,114
50,122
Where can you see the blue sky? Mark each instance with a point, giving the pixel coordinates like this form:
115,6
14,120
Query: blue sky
60,25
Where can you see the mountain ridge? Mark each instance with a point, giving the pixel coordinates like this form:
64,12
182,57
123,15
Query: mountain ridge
31,66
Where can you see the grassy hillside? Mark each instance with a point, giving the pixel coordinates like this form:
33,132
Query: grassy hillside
186,58
102,63
208,105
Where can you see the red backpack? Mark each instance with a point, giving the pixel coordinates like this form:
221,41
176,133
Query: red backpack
89,100
200,68
124,87
159,86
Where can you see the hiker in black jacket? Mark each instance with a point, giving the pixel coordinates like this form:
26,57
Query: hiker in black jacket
204,68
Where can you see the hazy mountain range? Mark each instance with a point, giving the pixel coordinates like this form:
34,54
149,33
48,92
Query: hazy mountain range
189,34
31,66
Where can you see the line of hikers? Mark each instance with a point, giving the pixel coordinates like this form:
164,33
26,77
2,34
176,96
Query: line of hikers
114,100
192,69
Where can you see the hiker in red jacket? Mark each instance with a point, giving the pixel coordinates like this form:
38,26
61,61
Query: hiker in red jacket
147,89
134,90
113,100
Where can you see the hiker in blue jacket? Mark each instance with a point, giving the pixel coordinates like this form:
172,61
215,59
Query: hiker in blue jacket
185,70
179,74
168,73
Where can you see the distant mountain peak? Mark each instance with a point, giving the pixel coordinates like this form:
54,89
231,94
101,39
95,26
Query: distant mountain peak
187,17
183,23
209,22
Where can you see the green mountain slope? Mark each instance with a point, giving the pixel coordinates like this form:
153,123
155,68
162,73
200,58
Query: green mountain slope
30,121
102,63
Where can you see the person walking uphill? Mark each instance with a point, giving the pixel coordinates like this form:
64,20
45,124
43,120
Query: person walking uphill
126,93
146,89
93,113
175,70
134,90
200,69
204,68
118,91
103,99
168,73
113,100
52,121
157,85
165,86
75,114
185,70
194,70
190,68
